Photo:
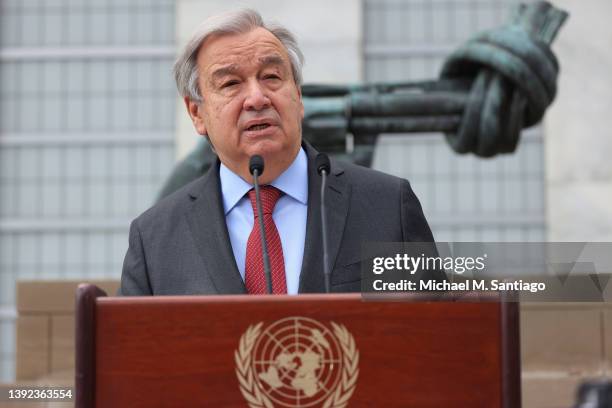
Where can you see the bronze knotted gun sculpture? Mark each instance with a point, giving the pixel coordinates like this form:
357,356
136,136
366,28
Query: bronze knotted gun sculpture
496,84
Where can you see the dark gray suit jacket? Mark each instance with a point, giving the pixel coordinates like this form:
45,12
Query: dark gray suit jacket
181,245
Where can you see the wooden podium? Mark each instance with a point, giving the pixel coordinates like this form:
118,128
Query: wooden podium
307,351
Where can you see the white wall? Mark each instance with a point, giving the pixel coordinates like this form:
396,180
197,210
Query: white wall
578,127
329,34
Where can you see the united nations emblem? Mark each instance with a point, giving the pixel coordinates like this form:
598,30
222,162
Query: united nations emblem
297,362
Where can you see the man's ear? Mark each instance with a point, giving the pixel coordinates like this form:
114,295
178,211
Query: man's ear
299,90
196,114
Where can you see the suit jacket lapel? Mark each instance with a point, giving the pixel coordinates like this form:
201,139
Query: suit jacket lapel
337,199
206,221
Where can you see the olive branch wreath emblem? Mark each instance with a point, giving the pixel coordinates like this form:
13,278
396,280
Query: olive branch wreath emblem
257,399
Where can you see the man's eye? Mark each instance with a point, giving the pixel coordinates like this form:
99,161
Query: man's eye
271,76
229,84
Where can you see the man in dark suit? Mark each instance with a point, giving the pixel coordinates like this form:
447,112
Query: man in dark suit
240,81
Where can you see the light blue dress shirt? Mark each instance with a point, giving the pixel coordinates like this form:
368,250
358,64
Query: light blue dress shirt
289,215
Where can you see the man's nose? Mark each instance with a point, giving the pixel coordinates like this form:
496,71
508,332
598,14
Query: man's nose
256,98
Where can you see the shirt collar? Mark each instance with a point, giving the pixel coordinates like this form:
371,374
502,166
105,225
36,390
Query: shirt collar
293,182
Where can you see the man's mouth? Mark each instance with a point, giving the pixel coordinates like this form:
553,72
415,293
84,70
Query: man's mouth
258,127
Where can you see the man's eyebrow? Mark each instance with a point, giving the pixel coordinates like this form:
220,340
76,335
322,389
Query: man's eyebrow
273,59
223,71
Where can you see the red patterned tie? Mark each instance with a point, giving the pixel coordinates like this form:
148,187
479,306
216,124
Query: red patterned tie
255,278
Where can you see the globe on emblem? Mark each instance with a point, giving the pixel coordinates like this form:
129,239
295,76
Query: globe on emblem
297,362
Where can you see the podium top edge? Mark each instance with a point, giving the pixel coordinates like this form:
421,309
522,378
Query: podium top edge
302,298
233,298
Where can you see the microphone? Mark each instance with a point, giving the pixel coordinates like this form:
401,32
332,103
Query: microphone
256,162
323,166
256,168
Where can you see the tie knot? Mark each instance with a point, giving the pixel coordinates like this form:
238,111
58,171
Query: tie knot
269,196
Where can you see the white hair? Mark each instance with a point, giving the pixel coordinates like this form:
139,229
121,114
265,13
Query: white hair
234,22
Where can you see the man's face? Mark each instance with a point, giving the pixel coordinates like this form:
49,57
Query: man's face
251,103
